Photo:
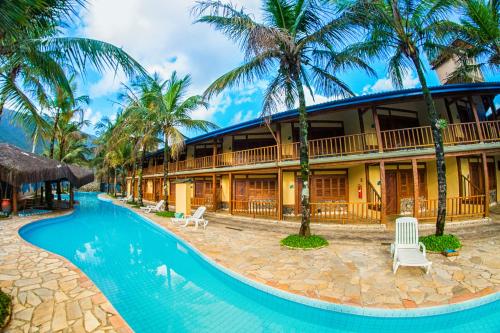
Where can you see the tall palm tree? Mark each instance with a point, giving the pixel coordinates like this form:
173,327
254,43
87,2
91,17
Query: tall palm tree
296,47
479,34
139,121
172,112
400,33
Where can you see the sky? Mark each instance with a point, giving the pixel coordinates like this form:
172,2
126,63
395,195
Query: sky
162,37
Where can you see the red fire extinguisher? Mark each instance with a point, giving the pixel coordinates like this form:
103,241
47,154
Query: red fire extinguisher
360,191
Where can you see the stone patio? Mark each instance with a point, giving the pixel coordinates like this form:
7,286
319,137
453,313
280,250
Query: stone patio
356,268
50,294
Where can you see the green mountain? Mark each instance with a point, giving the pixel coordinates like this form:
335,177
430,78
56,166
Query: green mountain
11,132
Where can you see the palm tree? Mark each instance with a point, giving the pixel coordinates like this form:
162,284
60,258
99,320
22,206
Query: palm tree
33,54
296,46
139,122
478,34
400,32
171,112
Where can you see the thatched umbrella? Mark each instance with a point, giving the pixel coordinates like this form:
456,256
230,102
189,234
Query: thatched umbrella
18,167
80,176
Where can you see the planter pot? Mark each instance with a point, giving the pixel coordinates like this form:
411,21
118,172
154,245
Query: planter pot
6,206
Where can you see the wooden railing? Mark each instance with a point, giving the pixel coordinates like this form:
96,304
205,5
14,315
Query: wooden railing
374,198
203,201
455,134
491,130
456,207
407,138
342,212
255,207
343,145
469,188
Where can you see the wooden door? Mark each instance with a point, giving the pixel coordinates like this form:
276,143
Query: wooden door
391,183
476,179
323,188
405,184
171,195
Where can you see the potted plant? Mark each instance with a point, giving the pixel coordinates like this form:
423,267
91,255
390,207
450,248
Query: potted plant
6,205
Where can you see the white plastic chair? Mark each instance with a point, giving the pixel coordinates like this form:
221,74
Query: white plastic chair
126,199
196,218
407,250
154,208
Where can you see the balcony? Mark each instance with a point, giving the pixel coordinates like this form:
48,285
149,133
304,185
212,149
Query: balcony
354,144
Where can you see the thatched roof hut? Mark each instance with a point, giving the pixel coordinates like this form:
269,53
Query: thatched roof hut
18,167
80,176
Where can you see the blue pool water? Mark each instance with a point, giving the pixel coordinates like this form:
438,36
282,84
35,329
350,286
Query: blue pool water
159,284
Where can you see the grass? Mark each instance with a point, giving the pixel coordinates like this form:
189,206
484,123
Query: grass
165,214
440,243
300,242
4,307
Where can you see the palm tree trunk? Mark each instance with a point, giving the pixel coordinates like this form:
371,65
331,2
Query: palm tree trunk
53,135
305,228
124,182
114,184
134,168
61,147
438,145
165,172
141,163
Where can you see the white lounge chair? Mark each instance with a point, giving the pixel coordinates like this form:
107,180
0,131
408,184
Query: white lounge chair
154,208
407,250
196,218
125,199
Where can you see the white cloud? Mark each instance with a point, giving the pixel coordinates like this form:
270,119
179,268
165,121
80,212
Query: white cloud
161,36
242,116
109,83
94,117
385,84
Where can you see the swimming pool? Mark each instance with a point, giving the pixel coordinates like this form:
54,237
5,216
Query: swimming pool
160,284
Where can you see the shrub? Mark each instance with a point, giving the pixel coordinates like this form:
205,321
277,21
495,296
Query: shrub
300,242
440,243
4,307
165,214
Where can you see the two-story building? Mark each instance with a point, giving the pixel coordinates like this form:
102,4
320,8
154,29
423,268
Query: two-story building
371,157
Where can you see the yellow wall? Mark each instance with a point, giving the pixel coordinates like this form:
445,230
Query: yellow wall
356,176
224,183
288,188
374,177
452,184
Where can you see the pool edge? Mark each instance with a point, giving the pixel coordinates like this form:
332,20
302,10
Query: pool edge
320,304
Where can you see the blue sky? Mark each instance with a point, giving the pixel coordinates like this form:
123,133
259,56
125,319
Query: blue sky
162,37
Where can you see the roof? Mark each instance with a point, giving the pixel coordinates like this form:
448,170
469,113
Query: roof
357,101
18,167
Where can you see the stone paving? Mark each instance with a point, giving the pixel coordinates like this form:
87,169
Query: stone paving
49,293
356,268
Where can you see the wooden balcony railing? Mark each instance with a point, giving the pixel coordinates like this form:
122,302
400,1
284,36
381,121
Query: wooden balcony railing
407,138
392,140
342,212
463,133
203,201
255,207
456,207
491,130
343,145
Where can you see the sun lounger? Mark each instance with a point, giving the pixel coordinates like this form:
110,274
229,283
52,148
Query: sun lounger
407,250
196,218
154,208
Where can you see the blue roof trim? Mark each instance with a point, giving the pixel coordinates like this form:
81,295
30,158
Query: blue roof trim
383,97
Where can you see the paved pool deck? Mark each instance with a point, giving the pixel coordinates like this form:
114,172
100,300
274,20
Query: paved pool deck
50,294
